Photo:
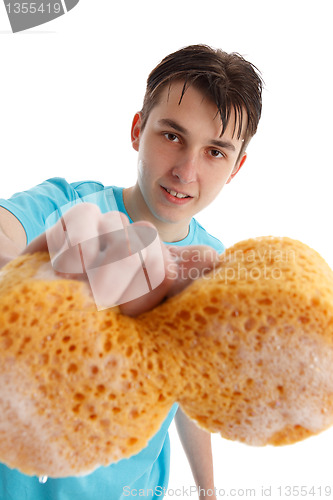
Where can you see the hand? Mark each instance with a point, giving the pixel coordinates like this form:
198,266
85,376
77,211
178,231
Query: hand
191,262
182,266
125,264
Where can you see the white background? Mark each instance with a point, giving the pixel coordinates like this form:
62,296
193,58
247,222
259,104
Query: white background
69,90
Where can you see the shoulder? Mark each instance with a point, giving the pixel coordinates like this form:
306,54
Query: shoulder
67,194
33,206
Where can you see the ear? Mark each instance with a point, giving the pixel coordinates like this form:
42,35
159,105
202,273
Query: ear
135,131
237,167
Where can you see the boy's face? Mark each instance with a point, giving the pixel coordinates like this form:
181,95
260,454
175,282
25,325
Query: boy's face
183,162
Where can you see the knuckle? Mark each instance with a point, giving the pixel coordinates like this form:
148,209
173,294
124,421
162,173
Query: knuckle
84,212
112,221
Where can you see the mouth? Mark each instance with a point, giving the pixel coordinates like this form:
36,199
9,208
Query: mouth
176,194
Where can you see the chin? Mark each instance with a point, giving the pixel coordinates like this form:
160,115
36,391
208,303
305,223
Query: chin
168,220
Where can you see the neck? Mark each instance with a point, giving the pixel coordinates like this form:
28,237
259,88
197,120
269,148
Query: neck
138,210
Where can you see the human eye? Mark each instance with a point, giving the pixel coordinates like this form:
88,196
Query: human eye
216,153
171,137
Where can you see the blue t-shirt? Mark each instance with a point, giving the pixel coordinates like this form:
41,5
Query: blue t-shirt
148,471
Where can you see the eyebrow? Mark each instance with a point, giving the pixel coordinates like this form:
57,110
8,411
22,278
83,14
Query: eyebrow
178,128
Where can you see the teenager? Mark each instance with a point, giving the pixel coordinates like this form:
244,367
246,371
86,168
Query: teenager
201,108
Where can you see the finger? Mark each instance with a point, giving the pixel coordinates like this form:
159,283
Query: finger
112,221
130,268
192,263
77,226
151,250
81,222
108,228
110,281
111,230
156,295
145,244
114,270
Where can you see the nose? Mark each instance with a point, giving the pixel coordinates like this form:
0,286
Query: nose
186,169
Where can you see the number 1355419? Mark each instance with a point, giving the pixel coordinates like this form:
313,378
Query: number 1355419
33,8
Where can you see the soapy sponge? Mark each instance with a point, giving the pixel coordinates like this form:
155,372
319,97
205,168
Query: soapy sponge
246,351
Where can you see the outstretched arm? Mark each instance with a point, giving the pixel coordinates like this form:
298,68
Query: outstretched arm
197,446
84,224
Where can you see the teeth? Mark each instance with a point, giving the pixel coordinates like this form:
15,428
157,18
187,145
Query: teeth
177,195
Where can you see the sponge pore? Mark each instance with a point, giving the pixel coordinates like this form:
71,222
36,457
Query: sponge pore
254,340
76,390
246,350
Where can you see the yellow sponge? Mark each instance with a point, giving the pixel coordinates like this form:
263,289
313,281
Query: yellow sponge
246,351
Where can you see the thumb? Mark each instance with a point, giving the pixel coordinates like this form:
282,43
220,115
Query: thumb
192,263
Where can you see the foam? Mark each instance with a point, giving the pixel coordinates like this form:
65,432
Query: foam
255,343
247,352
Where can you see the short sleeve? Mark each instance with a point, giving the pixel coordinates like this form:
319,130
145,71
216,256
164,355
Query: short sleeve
32,207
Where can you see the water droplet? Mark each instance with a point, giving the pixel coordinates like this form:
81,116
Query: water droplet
42,479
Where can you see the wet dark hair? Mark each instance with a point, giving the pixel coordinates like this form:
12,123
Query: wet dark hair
230,81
